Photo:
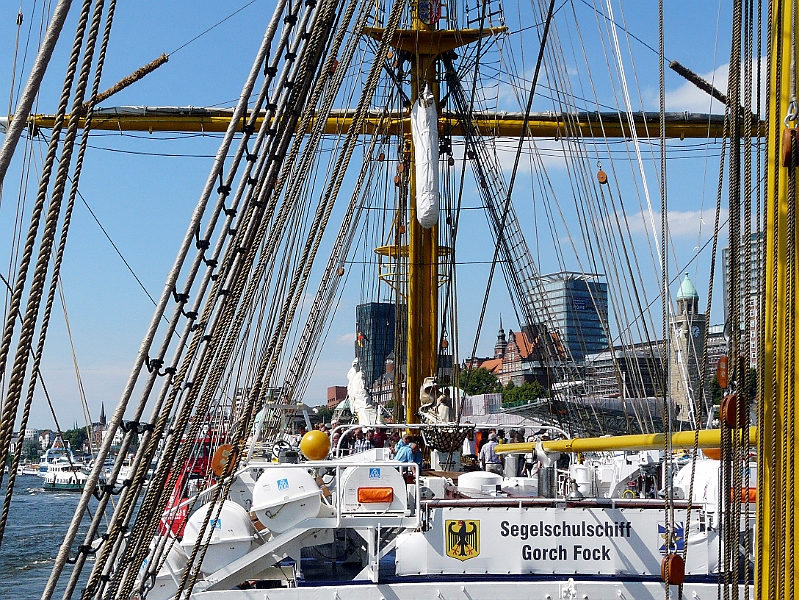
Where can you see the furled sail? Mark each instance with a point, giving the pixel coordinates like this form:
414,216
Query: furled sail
424,122
361,403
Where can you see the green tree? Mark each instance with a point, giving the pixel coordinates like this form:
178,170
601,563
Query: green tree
716,393
526,392
31,450
479,381
76,437
323,413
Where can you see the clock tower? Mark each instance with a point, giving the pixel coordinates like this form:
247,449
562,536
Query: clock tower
685,354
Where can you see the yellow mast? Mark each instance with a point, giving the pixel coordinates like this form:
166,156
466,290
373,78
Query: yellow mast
778,477
422,249
424,44
490,123
708,438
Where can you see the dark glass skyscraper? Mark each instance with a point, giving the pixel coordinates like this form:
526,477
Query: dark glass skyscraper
577,306
374,338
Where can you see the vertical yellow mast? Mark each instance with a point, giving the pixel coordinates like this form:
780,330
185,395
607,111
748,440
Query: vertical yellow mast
422,248
423,44
778,477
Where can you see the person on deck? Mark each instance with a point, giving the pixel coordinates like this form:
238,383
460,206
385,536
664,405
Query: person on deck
362,443
379,438
489,460
405,441
404,453
417,455
409,453
469,445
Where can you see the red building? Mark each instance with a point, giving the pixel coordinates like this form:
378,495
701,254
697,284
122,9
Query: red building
335,394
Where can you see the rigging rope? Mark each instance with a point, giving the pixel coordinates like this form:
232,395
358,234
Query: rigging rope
162,304
14,63
23,348
664,273
62,177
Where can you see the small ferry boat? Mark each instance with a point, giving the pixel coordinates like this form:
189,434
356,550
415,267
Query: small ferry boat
28,469
64,476
54,455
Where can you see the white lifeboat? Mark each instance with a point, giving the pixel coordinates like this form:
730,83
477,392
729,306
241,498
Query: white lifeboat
284,497
229,537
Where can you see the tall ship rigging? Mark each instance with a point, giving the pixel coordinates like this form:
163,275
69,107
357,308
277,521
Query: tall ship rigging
387,108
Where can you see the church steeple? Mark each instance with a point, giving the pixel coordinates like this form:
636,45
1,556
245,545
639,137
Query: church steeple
502,343
102,414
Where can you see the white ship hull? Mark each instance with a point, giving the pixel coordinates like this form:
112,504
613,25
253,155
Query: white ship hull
564,588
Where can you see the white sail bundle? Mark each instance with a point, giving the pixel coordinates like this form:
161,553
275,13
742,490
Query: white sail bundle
361,403
424,127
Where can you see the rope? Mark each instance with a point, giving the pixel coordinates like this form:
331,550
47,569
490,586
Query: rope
774,569
664,266
500,223
200,408
243,429
214,26
17,126
708,411
789,443
165,297
14,63
24,339
62,176
761,292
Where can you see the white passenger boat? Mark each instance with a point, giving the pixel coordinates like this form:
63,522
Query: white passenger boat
57,453
64,476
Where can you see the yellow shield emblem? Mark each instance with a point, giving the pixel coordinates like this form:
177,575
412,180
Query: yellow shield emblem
462,539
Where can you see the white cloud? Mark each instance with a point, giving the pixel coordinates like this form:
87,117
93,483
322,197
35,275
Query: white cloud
683,224
690,98
346,339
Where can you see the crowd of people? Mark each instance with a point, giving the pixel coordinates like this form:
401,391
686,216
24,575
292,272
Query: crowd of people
479,447
403,448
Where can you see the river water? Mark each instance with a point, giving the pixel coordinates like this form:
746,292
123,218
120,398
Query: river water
36,525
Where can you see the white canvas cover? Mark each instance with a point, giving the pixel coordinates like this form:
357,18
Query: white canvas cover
360,401
424,127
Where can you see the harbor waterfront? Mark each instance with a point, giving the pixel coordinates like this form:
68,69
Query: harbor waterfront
36,525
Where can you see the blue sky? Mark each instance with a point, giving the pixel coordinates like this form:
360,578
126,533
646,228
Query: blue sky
143,197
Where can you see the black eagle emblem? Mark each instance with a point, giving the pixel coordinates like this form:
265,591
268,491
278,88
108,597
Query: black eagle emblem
463,539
